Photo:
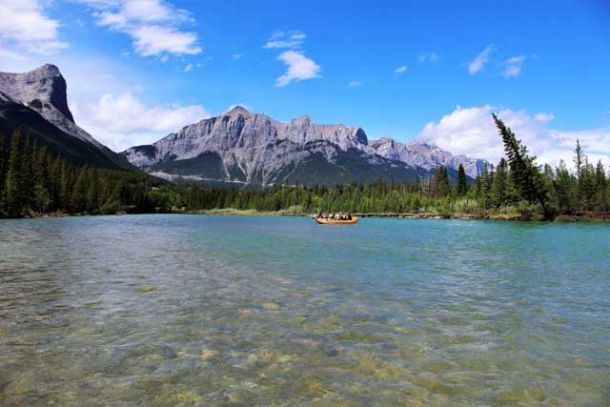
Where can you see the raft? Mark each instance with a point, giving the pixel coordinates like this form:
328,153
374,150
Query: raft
322,221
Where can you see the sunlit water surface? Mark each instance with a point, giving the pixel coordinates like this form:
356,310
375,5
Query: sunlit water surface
200,310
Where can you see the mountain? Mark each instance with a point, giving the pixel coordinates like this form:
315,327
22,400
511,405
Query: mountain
426,156
248,148
244,147
36,102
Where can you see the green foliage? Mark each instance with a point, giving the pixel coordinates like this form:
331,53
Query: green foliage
441,182
525,175
34,181
462,181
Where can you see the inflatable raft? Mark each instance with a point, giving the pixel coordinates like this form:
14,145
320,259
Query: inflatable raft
323,221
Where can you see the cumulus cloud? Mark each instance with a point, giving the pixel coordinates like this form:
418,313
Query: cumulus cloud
354,84
298,68
471,131
428,58
479,62
25,26
153,25
124,120
283,39
400,70
150,40
513,65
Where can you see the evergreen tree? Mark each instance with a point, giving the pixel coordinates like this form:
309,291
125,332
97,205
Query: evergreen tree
441,182
601,186
462,182
3,165
525,175
563,185
579,162
587,185
498,187
12,191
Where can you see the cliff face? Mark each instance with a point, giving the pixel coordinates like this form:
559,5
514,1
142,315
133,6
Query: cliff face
240,146
44,91
255,149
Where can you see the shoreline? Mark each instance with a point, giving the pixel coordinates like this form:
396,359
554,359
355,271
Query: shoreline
603,218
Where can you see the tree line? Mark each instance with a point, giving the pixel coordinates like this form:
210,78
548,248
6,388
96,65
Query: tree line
34,182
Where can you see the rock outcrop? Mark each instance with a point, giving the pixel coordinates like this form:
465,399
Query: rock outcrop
44,91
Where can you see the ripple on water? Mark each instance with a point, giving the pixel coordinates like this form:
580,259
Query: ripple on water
200,310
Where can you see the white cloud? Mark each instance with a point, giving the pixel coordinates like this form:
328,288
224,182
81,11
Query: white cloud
400,70
153,25
150,40
513,65
471,131
282,39
236,57
299,68
25,26
479,62
428,57
544,117
355,84
123,121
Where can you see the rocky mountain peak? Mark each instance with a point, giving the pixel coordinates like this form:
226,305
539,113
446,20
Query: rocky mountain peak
48,70
44,90
41,89
303,120
238,111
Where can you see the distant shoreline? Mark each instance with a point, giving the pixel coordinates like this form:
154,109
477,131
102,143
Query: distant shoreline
584,218
595,218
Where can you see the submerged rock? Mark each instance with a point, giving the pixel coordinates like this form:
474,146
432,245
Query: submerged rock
207,354
271,306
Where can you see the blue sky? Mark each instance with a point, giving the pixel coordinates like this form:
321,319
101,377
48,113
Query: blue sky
410,69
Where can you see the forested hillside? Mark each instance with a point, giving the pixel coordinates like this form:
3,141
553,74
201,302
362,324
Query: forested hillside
34,181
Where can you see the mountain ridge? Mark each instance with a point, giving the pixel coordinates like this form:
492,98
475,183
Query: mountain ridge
239,146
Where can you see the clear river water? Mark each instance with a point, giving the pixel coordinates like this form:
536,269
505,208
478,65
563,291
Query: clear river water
167,310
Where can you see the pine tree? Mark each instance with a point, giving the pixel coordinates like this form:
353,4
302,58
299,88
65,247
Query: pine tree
441,182
587,185
3,165
41,197
462,182
525,175
13,194
601,187
498,187
564,187
579,162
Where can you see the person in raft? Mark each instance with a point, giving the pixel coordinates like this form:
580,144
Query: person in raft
334,216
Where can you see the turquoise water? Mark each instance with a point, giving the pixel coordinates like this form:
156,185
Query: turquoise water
199,310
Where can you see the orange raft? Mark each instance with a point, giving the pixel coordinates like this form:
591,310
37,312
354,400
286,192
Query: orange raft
323,221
